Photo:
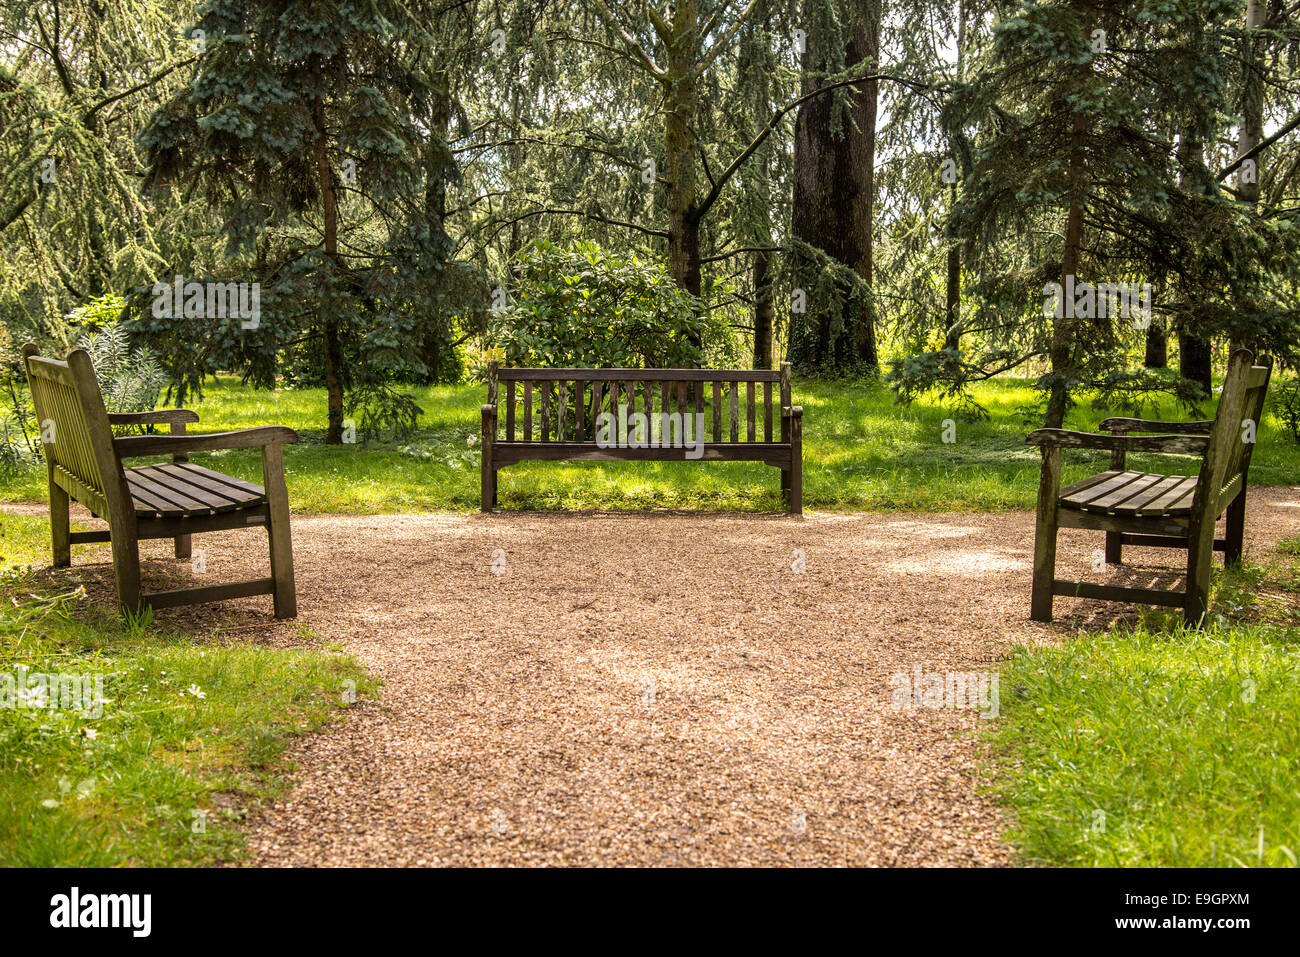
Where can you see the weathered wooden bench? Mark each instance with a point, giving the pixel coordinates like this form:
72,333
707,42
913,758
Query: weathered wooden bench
1149,508
84,464
569,403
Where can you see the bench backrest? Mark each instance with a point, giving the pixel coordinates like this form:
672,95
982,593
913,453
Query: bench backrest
77,438
1235,430
568,402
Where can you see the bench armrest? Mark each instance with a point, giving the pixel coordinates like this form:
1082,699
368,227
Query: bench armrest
1069,439
1152,425
129,446
792,411
155,417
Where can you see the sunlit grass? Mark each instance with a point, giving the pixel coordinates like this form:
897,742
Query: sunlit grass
861,451
190,735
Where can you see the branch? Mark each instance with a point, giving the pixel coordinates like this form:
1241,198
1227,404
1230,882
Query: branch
775,121
634,48
1263,144
135,89
738,250
662,233
724,41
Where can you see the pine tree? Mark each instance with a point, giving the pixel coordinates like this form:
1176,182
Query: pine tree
312,127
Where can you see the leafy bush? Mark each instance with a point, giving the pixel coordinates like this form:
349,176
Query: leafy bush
585,308
131,379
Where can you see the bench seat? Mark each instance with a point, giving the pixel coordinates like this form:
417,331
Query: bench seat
183,490
1116,492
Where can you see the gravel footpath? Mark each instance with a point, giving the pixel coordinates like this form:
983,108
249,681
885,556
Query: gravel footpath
654,689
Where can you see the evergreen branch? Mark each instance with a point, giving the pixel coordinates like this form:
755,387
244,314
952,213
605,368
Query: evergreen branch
634,50
135,89
724,41
1291,124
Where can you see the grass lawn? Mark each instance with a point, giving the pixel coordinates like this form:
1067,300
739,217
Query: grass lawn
861,451
189,735
1159,746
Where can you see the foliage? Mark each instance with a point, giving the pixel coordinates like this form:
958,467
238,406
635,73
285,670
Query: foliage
583,307
131,379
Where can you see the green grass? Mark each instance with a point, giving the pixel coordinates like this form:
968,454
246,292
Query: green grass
861,451
190,735
1156,745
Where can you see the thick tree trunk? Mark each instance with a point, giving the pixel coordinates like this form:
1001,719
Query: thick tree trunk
833,206
1193,351
1157,351
679,150
952,304
1194,360
330,327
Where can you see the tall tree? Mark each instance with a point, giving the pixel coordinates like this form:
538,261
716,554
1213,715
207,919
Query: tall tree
831,224
315,131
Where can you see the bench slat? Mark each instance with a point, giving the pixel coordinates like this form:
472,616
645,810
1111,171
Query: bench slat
735,411
717,411
528,410
579,409
749,412
767,411
510,411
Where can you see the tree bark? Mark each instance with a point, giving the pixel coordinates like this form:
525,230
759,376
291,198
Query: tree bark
833,206
330,326
764,311
1157,351
679,149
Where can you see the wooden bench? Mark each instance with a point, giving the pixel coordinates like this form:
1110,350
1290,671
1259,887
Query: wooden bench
1151,508
84,464
569,403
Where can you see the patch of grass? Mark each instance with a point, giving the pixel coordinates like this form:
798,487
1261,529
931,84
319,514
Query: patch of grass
188,736
1158,745
861,451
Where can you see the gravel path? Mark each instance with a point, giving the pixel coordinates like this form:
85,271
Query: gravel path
655,689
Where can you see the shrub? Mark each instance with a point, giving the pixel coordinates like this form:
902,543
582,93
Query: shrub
584,308
131,379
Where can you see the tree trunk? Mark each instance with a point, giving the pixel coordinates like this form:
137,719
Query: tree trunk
1193,351
764,311
833,207
679,150
952,305
1157,352
330,326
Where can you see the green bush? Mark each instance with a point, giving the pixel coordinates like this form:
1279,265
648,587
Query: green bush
585,308
131,379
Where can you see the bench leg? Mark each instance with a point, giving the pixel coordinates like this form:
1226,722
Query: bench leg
1234,537
496,479
1040,603
126,570
277,530
60,526
182,546
487,468
1200,555
1114,548
796,463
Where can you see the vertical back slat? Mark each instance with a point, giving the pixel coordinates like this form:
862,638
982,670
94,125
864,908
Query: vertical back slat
717,411
562,412
510,411
749,411
597,398
767,412
528,410
579,410
735,411
546,411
